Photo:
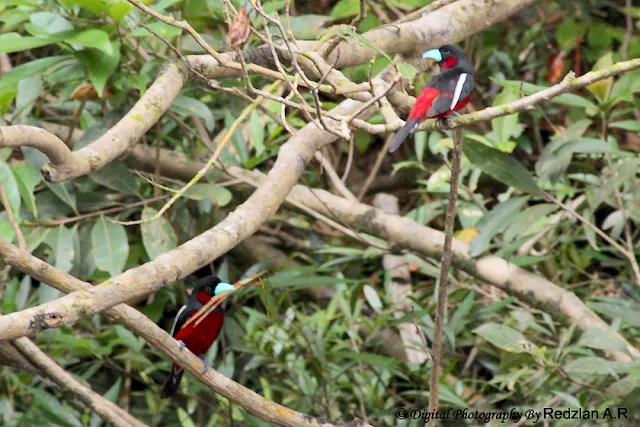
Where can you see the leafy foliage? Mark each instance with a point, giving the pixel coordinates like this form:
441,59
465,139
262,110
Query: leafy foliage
318,339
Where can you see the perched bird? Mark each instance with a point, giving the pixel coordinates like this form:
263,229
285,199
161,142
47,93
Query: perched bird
446,93
198,338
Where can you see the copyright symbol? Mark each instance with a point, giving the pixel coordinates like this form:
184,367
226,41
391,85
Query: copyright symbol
402,414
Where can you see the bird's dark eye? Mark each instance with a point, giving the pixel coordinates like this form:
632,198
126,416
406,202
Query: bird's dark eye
447,52
208,289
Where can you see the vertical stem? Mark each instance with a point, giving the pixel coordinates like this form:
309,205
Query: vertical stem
436,351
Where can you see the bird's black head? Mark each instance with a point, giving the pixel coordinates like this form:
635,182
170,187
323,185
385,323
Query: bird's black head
449,56
207,285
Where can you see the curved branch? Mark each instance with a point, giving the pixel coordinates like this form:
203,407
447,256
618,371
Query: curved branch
105,408
38,138
64,165
251,401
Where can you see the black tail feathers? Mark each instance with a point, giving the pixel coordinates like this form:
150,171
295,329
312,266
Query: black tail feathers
173,382
403,133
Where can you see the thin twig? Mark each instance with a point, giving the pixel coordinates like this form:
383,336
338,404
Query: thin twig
436,349
12,218
376,166
108,211
333,176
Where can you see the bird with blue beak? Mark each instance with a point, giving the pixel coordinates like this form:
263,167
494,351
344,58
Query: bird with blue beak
200,335
445,94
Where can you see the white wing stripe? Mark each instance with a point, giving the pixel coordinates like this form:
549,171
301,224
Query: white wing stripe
183,308
458,91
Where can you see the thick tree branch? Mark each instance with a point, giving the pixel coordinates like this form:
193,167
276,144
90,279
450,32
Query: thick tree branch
31,136
64,164
161,340
106,409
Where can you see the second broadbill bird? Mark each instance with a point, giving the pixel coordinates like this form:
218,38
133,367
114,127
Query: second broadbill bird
197,338
445,94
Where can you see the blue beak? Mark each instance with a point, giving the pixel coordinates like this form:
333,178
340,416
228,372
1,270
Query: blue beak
223,287
433,54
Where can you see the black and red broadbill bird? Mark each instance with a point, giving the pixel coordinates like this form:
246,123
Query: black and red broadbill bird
197,338
445,94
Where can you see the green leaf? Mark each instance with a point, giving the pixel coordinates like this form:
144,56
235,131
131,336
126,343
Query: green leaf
97,39
420,145
583,145
551,166
50,22
602,340
61,190
158,236
601,89
36,66
505,338
6,229
372,298
192,106
493,223
238,141
129,339
164,30
569,99
256,132
116,176
623,387
529,221
625,172
345,8
306,27
631,125
407,71
47,293
118,9
29,90
590,365
36,237
95,6
13,42
101,65
505,126
27,179
61,242
23,292
10,186
184,419
53,410
500,166
215,193
110,246
83,264
111,395
617,311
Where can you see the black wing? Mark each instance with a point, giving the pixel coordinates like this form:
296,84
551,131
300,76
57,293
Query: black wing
181,317
446,83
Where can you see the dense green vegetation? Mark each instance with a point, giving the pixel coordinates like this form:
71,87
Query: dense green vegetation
322,338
